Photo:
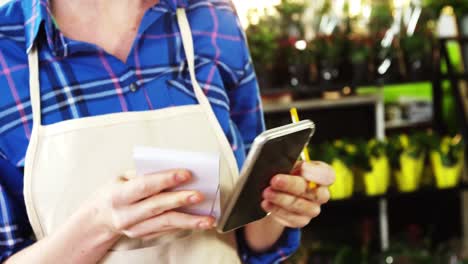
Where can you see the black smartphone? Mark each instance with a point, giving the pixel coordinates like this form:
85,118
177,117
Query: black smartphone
273,152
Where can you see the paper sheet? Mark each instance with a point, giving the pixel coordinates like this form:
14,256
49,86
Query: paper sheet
204,167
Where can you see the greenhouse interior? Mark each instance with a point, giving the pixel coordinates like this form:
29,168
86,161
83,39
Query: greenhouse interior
385,83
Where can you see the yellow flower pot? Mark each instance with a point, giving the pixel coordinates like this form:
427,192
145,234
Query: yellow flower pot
409,177
344,182
378,179
446,177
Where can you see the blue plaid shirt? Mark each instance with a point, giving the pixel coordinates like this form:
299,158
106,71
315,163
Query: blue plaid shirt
80,79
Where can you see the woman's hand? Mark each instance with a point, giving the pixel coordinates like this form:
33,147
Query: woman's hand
290,203
289,199
139,207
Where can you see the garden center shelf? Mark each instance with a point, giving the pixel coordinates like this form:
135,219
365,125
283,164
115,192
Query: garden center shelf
421,193
356,116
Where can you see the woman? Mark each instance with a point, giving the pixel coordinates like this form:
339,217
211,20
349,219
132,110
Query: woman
84,81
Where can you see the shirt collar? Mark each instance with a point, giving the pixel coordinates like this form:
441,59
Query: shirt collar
37,12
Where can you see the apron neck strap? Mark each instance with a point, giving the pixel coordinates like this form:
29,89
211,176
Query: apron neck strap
187,43
34,87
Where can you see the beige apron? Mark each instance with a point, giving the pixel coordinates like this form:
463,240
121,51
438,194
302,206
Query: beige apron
66,162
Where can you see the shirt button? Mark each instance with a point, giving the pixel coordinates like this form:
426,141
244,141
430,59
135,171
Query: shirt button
133,87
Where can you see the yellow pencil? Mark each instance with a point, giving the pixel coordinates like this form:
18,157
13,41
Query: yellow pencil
305,153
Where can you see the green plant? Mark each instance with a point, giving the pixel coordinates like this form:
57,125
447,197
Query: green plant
412,145
339,149
381,18
416,47
263,41
330,48
290,12
450,149
360,49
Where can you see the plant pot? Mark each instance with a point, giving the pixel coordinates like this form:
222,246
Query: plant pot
446,176
265,77
329,71
298,75
377,180
360,73
344,181
418,69
409,177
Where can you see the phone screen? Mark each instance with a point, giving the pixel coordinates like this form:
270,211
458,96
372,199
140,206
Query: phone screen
277,156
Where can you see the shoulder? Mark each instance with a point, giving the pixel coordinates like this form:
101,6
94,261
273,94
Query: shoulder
216,24
221,10
218,4
13,70
13,55
12,32
12,20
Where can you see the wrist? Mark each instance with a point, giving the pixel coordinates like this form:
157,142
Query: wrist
263,234
90,218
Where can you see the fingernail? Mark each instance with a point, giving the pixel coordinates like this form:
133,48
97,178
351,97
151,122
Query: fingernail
279,182
268,194
181,176
194,198
128,233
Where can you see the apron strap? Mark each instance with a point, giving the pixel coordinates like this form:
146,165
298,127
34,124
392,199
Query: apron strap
187,43
34,86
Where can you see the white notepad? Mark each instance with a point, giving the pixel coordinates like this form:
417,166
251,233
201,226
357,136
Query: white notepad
204,167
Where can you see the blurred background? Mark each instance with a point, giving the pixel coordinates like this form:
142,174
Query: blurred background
385,83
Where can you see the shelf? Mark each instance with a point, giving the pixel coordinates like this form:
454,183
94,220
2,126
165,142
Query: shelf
358,198
407,124
322,103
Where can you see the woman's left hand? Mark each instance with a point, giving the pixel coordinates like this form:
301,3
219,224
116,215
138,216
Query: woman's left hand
289,199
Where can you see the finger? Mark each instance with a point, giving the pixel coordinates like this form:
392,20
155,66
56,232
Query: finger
289,184
322,195
142,187
284,217
156,235
153,206
290,203
169,221
315,171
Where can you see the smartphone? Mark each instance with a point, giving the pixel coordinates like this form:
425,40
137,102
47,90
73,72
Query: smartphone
273,152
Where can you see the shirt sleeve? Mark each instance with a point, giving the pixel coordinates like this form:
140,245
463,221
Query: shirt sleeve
247,115
288,243
15,230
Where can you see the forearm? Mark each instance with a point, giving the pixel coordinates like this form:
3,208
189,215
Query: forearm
80,240
262,235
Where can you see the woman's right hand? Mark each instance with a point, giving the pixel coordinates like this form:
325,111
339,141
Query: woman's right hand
141,207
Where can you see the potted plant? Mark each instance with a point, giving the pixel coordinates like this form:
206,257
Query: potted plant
359,56
447,158
330,55
377,179
406,155
417,47
340,155
384,54
294,50
417,50
263,41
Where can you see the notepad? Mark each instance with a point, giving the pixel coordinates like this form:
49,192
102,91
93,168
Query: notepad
204,167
